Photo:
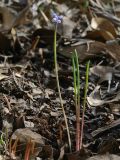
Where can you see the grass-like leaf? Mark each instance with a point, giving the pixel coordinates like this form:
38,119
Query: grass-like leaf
76,77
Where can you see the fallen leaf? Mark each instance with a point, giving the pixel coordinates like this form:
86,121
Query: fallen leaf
85,50
7,17
100,35
10,19
26,134
95,99
103,24
91,50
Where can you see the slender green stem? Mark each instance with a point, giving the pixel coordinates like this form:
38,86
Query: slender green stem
84,101
58,86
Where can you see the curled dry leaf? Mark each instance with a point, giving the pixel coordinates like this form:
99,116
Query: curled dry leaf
103,30
94,99
103,24
100,35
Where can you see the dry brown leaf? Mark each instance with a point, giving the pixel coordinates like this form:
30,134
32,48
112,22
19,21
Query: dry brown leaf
103,28
10,19
92,49
100,35
85,50
22,137
114,51
103,25
7,17
26,134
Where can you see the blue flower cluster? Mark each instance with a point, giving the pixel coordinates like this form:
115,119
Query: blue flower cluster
56,19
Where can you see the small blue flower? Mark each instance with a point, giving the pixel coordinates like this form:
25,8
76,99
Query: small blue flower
56,19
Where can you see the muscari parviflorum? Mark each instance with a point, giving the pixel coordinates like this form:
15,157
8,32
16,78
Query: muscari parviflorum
56,19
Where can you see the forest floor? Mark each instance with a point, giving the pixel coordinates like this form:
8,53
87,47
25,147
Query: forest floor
32,123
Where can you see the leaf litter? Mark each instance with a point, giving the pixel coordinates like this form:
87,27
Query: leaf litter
32,122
